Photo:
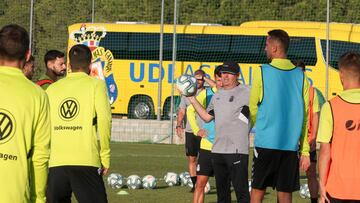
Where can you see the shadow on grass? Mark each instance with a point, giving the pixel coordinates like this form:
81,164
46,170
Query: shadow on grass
161,187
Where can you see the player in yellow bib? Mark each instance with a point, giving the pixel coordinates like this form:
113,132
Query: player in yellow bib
24,124
81,125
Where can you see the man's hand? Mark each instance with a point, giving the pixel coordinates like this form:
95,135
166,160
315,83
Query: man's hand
202,133
313,145
191,99
103,171
304,162
199,77
179,131
323,196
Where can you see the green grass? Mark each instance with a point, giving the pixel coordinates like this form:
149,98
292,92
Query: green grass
157,159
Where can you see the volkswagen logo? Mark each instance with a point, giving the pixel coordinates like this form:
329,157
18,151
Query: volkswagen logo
69,109
7,126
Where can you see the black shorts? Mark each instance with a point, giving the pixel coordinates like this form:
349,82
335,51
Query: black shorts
313,156
84,181
275,168
334,200
192,144
204,164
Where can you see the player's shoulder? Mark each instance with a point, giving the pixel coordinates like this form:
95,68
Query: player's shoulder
55,85
33,88
202,93
30,91
326,109
97,83
243,88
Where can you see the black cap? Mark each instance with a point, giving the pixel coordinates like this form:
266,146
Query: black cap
230,67
217,70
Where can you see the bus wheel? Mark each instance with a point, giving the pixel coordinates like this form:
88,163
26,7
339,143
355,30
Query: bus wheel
141,108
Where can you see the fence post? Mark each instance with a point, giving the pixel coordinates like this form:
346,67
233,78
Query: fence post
327,48
173,72
31,24
93,11
160,61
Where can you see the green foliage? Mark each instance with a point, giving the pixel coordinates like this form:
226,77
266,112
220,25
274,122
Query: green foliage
17,11
52,17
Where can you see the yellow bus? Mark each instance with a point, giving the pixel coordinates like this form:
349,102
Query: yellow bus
126,56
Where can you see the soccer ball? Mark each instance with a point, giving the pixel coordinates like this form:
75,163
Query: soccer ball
304,191
133,182
115,180
171,179
207,188
184,178
149,182
190,183
187,85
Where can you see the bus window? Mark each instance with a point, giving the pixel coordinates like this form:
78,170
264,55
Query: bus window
202,47
137,46
303,48
145,46
338,48
248,49
116,42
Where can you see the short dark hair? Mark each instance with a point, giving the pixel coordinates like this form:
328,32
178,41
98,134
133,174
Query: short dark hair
199,72
299,63
14,42
80,57
350,61
52,55
217,70
282,37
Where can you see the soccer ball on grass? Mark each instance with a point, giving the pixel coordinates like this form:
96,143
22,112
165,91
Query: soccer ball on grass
149,182
133,182
171,179
115,181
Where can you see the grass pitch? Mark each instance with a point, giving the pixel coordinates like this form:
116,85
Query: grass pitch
157,159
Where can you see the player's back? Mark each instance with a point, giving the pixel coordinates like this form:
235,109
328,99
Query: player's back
73,101
275,109
24,134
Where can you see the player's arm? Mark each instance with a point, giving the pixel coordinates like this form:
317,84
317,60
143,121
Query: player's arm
315,125
191,118
255,94
40,152
210,82
180,117
103,114
200,109
315,121
304,143
324,136
191,114
324,165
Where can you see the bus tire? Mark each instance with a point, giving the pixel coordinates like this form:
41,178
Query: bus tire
141,107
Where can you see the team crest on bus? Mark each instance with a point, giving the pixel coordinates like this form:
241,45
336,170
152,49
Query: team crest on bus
102,59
